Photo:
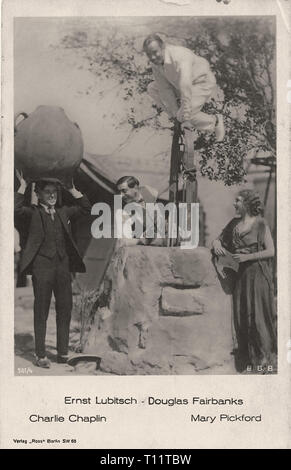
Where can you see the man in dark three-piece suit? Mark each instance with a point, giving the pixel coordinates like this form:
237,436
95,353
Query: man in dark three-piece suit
50,255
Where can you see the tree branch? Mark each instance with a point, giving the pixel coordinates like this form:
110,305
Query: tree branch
126,141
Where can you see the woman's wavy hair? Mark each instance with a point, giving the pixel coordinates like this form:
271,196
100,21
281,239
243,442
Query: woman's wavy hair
252,202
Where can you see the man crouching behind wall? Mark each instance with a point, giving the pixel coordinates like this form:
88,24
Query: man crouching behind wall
50,255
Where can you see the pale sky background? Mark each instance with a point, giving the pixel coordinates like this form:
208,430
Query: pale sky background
44,75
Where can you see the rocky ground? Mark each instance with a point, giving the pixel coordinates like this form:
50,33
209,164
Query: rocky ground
162,311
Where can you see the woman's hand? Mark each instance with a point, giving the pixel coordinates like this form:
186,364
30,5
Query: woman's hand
218,248
241,257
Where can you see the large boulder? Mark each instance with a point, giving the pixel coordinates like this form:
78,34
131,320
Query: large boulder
163,311
47,144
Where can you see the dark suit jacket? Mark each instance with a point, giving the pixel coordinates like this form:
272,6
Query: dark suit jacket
35,233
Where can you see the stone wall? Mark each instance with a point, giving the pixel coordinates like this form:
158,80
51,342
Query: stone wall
162,311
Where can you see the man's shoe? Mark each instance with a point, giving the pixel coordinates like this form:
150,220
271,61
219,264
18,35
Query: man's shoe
219,128
62,359
43,362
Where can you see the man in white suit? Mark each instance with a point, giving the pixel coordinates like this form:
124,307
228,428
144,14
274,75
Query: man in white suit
183,83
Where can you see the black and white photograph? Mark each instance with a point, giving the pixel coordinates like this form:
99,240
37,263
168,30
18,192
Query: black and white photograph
144,168
179,110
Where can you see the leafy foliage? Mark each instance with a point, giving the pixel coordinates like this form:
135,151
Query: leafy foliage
241,53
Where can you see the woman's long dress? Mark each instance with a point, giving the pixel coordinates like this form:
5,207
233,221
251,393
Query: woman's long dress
253,300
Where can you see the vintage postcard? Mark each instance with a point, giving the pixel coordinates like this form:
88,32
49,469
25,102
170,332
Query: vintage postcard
145,224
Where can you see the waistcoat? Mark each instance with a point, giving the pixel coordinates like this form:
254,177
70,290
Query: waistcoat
54,237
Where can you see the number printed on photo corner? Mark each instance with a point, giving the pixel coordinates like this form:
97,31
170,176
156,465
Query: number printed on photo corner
289,351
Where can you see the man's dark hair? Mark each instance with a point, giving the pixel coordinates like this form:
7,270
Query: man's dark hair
130,180
41,184
151,38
